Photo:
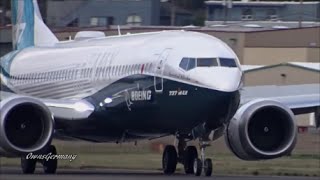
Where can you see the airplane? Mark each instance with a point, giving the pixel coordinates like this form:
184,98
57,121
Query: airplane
131,87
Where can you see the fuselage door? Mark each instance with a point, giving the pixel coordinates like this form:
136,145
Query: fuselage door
159,70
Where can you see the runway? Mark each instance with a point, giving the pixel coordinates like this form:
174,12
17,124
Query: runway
14,173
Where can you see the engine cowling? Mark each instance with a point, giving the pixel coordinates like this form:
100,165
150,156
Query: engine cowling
262,129
26,125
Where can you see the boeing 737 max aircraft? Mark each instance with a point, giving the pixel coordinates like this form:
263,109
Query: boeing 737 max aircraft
131,87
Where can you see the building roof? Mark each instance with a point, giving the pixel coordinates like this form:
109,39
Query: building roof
311,66
261,3
254,26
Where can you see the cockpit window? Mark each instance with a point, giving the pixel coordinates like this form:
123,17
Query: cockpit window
207,62
188,63
228,62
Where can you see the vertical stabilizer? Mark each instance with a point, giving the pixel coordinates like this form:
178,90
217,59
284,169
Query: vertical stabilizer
28,26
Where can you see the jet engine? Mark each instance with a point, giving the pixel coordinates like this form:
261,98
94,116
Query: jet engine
262,129
26,125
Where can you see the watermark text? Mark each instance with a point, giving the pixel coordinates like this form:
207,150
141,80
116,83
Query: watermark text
50,156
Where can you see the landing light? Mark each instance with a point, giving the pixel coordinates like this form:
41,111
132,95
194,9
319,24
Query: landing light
108,100
81,107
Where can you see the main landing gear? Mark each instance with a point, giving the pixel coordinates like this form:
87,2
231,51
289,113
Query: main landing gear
188,157
28,165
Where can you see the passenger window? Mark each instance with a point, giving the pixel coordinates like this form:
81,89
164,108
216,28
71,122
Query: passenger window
227,62
207,62
187,63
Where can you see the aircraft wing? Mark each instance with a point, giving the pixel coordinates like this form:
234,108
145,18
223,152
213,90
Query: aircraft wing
301,99
61,109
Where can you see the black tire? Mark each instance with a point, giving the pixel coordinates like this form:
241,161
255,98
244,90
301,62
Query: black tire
50,166
190,154
208,167
169,159
28,166
197,167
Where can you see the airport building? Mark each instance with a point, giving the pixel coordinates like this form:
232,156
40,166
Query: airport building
83,13
263,11
95,13
282,74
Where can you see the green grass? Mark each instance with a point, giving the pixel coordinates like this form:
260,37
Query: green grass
305,160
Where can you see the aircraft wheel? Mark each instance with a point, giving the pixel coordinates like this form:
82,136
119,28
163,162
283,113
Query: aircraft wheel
197,167
28,166
190,154
208,167
169,159
50,166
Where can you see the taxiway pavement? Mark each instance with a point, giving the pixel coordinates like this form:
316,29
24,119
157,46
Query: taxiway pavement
14,173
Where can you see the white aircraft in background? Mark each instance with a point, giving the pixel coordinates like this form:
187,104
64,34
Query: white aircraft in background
131,87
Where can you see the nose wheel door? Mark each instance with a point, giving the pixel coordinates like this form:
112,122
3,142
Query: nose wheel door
159,70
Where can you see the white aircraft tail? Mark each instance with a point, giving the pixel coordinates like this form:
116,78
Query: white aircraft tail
28,26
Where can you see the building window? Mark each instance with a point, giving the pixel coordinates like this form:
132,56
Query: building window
134,20
110,20
247,14
98,21
272,14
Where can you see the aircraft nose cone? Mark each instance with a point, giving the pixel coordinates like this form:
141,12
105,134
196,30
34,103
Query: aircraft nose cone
222,78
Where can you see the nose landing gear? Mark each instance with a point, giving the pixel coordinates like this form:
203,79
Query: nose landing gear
169,159
203,163
188,157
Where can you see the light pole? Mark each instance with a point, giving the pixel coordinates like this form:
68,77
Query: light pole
173,13
300,14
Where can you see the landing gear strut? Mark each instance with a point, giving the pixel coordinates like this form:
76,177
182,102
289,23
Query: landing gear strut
28,166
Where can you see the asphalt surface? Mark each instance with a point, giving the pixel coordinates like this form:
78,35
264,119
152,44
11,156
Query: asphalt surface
14,173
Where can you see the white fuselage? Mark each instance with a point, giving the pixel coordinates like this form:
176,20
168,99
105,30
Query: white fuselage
76,69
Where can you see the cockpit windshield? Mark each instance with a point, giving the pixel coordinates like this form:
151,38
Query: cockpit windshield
227,62
207,62
190,63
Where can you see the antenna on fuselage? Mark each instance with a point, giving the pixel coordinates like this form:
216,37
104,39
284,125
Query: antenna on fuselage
119,31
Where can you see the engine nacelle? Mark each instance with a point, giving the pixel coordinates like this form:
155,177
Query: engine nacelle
26,125
262,129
